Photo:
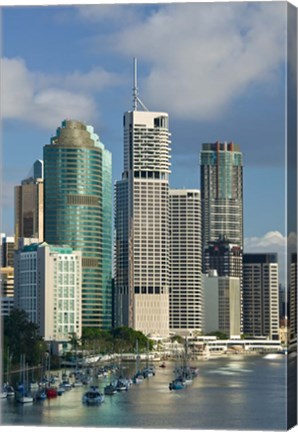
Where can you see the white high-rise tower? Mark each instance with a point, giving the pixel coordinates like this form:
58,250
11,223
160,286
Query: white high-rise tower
142,222
186,302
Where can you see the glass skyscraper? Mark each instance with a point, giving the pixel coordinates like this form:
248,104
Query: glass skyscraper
78,211
221,194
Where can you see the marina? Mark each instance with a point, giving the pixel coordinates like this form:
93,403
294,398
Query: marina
231,392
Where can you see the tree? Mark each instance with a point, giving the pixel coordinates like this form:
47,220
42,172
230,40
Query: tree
74,341
129,337
218,334
21,337
120,339
177,338
97,339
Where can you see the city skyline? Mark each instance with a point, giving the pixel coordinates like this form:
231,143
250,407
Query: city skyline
204,105
155,211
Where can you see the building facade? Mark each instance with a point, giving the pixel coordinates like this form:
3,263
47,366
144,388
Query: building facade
48,282
7,250
186,302
227,259
6,274
78,212
7,290
224,257
29,202
293,296
261,295
7,281
229,307
222,301
142,276
211,302
221,194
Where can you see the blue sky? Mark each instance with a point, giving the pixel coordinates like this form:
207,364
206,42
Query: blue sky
218,69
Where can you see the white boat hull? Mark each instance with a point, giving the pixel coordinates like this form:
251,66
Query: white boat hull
25,399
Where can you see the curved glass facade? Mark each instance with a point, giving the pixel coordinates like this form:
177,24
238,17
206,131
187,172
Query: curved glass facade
78,207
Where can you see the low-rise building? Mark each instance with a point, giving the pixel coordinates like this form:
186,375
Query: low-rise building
222,300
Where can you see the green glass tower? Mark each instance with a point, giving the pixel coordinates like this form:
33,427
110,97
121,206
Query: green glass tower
78,212
221,194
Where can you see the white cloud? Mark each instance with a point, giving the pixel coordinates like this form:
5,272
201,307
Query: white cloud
96,80
202,56
44,99
269,242
117,14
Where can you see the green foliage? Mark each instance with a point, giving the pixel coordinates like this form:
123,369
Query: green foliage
21,337
218,334
74,341
128,337
97,340
55,362
120,339
177,338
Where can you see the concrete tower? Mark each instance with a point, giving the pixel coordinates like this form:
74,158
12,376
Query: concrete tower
142,222
29,205
293,296
260,295
186,308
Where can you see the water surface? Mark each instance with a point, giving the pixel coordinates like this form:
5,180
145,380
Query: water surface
240,392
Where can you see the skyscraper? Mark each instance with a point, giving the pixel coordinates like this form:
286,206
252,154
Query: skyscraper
29,217
221,194
293,296
78,200
260,295
224,257
142,223
186,308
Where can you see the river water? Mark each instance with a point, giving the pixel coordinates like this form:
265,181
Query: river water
238,392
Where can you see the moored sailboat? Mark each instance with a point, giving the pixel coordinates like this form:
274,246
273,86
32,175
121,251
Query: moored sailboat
23,394
93,396
110,389
138,377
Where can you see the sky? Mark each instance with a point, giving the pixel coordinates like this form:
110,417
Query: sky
218,69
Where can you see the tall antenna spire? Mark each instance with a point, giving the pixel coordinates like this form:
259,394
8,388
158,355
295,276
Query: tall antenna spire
136,99
135,84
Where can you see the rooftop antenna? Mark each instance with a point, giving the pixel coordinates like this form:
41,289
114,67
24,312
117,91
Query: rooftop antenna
136,99
135,85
